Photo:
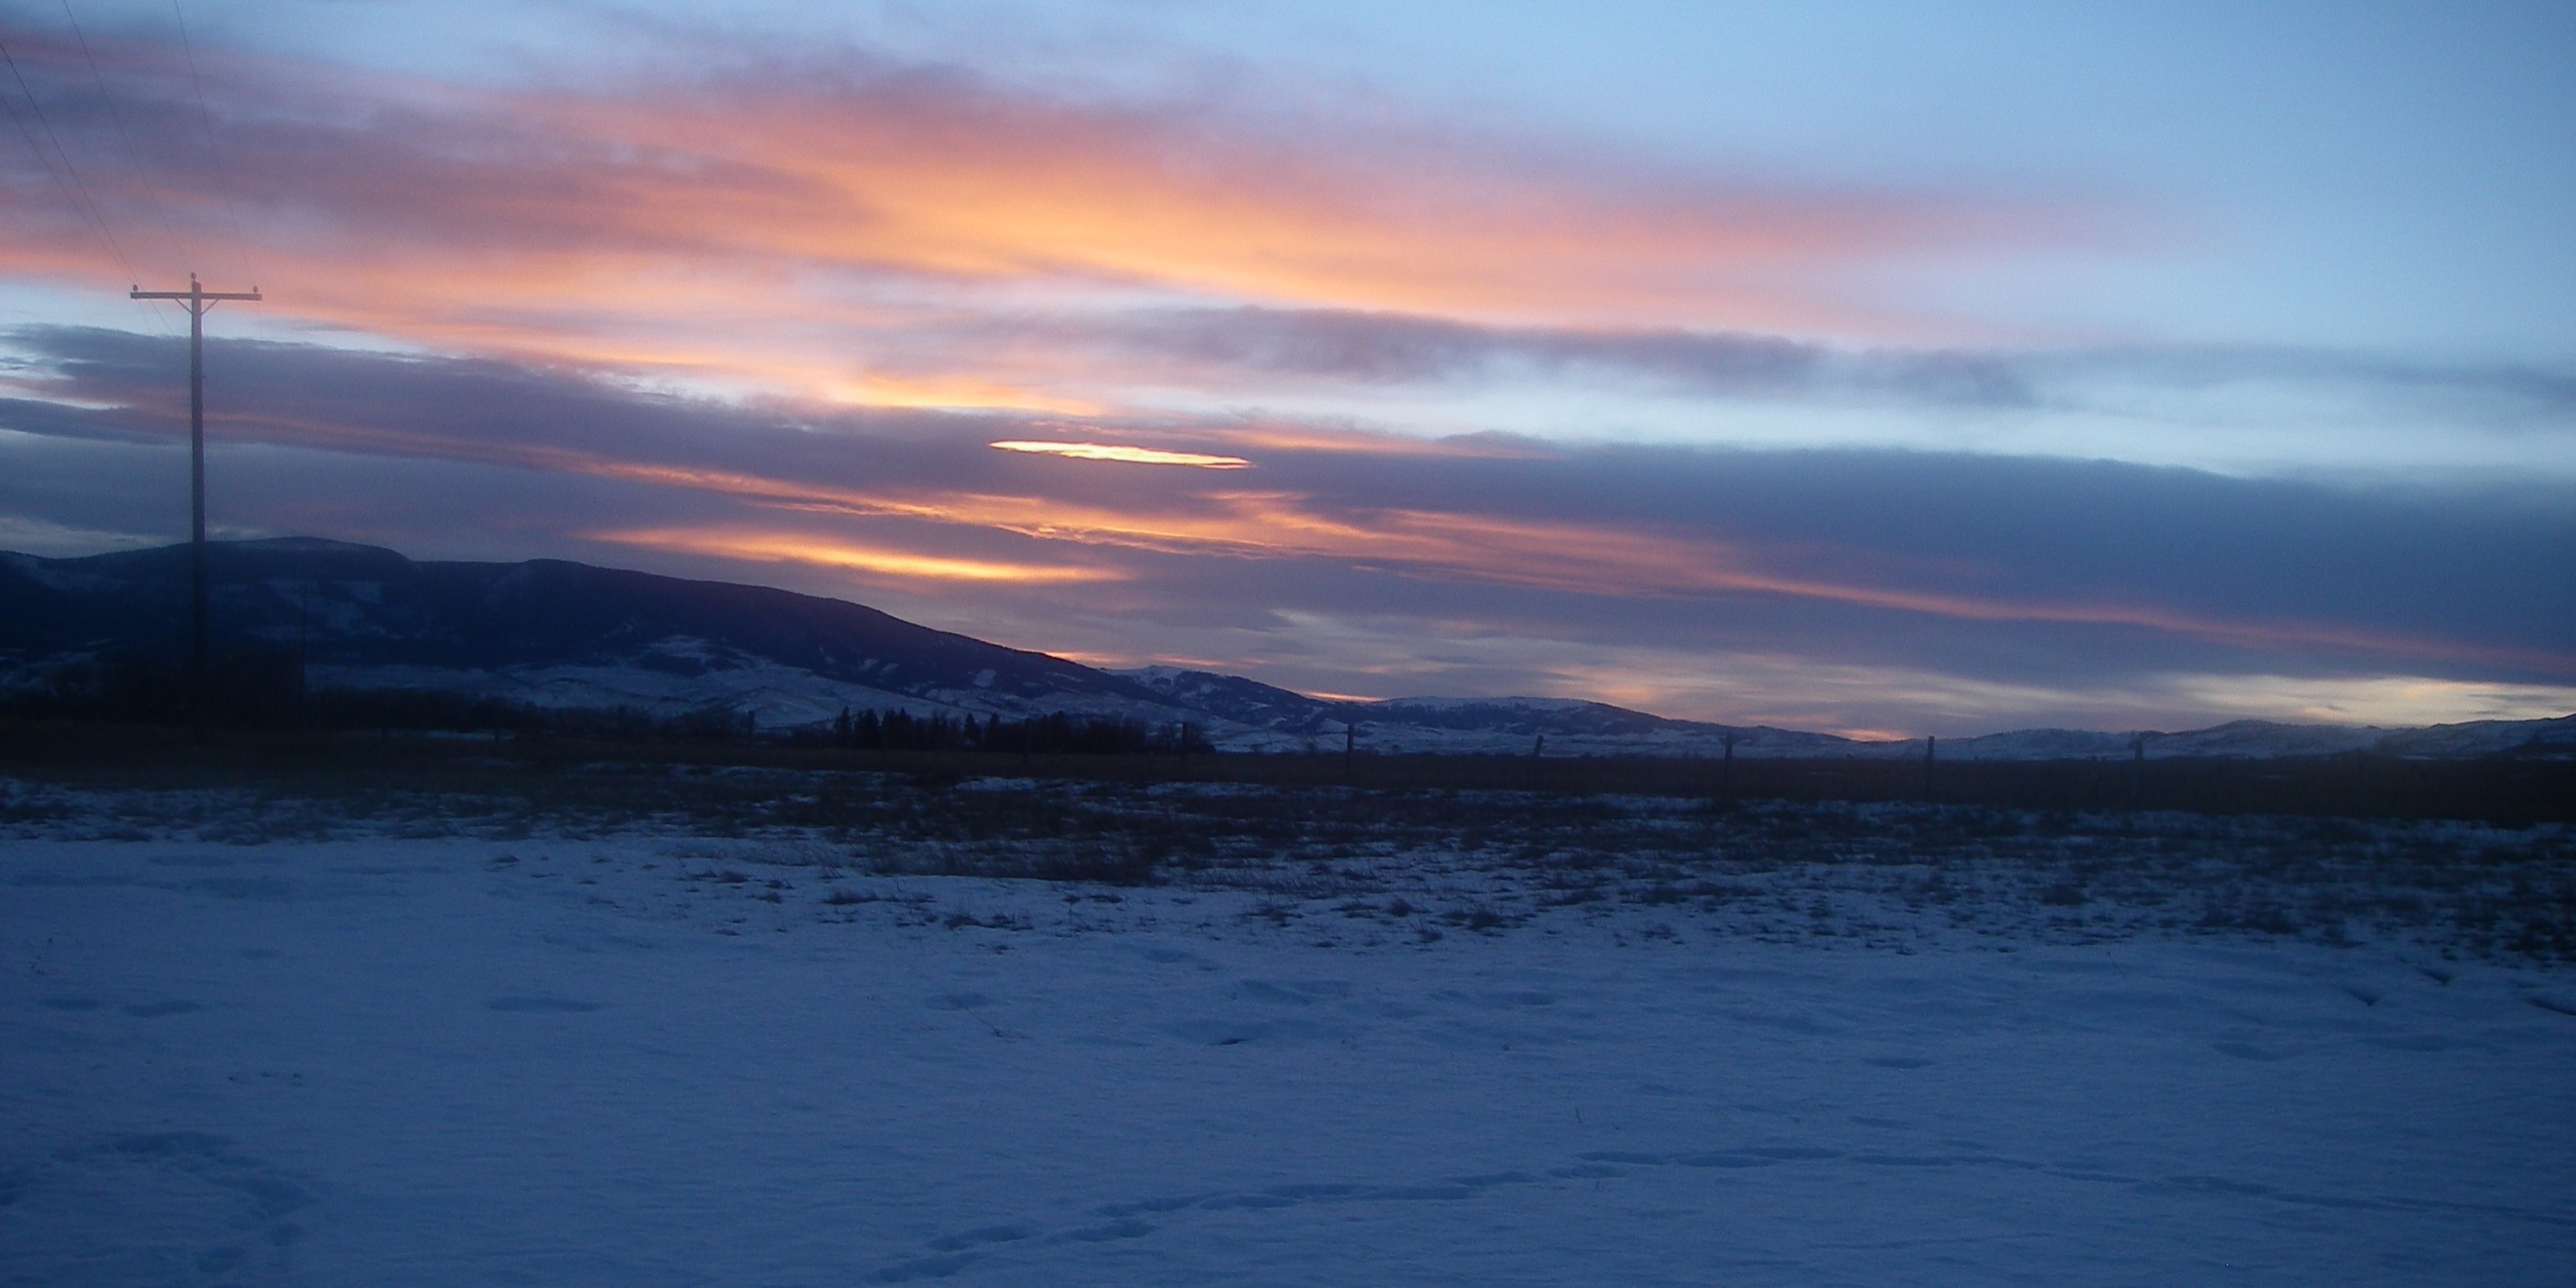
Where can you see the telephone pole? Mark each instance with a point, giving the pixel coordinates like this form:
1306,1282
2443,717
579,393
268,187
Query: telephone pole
197,299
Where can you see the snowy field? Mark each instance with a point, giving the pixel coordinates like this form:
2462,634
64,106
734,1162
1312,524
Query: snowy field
781,1030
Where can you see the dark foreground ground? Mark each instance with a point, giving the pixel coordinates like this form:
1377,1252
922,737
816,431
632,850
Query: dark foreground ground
2502,789
1771,848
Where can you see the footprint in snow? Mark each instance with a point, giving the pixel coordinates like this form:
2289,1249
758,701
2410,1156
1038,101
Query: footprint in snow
1294,992
986,1234
187,1198
2247,1051
2550,1000
1122,1220
253,889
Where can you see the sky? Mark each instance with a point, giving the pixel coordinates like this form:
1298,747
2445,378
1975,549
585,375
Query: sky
1885,368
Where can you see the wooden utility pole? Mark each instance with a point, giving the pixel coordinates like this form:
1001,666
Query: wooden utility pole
197,299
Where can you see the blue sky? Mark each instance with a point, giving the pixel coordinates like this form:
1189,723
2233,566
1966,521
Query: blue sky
1875,367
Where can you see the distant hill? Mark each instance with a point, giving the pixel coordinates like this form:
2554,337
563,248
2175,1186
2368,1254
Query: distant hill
547,632
555,634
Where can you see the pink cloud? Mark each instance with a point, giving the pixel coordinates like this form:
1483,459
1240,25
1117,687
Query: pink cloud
868,234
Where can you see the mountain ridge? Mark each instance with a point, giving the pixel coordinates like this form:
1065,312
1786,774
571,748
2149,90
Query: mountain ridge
561,634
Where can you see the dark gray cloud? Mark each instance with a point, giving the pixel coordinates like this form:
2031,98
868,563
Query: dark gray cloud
1384,347
2496,561
465,409
469,458
2533,389
1394,348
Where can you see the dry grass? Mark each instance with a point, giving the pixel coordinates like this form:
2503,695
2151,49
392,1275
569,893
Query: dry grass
1448,861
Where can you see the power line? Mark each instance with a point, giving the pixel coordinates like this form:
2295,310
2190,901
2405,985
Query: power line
42,158
133,155
76,193
81,200
206,119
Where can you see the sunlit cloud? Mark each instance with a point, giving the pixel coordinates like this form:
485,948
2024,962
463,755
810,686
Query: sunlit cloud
855,232
769,547
954,393
903,235
1129,455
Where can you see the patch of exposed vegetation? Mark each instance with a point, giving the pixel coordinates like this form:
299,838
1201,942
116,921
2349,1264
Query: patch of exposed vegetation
1458,861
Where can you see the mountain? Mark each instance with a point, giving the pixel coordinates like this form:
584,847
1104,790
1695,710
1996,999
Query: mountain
1513,726
556,634
546,632
1247,704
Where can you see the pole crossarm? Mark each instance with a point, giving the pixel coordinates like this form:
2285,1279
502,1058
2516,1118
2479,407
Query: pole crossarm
193,294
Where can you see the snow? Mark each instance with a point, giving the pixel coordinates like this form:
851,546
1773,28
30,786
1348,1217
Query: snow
259,1041
777,696
1441,704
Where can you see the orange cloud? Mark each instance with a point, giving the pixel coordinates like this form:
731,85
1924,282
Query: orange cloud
955,182
879,237
774,547
951,392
